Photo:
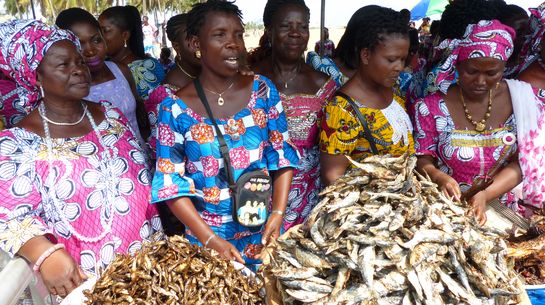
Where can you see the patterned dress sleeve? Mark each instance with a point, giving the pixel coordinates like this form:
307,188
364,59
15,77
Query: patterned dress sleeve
339,128
151,106
20,201
426,135
280,151
170,180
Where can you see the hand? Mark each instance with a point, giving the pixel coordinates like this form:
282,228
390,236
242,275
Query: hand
272,228
225,249
448,186
478,203
61,274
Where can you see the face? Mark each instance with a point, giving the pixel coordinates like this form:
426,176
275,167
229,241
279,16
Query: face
92,44
383,64
63,73
289,32
114,36
145,19
221,43
476,76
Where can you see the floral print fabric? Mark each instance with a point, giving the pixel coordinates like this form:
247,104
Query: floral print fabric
85,182
342,132
151,106
148,74
327,66
189,163
462,154
304,113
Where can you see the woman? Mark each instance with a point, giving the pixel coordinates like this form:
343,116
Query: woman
342,65
190,171
303,91
109,81
381,48
187,69
75,186
531,68
473,129
122,29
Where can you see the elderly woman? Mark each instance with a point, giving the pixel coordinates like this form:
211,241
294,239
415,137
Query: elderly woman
478,127
73,184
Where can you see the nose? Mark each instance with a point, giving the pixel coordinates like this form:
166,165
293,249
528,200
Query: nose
88,50
480,80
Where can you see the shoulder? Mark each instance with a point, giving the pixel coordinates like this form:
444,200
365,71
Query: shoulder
318,77
433,104
124,70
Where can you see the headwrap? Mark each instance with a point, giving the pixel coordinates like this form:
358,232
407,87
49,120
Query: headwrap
23,45
488,38
532,44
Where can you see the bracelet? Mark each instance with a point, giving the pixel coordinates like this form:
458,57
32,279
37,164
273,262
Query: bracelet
47,253
209,239
279,212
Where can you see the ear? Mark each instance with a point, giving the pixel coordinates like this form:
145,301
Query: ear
175,46
364,56
126,35
194,43
269,34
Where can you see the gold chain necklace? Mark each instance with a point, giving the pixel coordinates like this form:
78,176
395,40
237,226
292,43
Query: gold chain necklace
185,72
294,72
221,101
481,125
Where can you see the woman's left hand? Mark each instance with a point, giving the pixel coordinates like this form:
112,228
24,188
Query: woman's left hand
478,203
272,228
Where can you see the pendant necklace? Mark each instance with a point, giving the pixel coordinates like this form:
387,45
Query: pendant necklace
221,101
481,125
294,72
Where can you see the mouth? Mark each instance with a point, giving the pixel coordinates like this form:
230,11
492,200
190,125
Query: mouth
83,84
232,61
94,62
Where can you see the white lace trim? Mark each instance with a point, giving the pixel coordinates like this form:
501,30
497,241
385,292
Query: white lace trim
399,121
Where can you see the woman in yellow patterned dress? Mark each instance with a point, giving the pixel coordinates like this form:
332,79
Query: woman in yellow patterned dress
382,47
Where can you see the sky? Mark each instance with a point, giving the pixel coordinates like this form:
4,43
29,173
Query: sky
338,12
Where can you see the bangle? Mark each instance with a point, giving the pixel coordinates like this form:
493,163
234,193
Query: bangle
47,253
209,239
279,212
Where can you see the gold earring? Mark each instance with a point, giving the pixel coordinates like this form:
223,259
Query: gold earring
125,43
198,54
497,85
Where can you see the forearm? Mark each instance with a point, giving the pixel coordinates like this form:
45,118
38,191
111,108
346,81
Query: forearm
281,187
504,181
34,248
332,167
185,211
426,166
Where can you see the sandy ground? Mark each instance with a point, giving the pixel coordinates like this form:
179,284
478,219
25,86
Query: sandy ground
251,38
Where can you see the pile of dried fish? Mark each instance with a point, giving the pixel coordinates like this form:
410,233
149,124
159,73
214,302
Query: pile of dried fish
529,259
173,271
383,234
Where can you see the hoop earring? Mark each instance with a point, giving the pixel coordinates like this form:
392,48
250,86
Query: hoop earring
198,54
42,93
125,43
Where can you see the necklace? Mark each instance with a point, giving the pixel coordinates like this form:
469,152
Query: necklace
60,206
481,125
221,101
62,123
294,72
185,72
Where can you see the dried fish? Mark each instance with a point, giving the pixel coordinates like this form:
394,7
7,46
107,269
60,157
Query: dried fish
173,271
384,234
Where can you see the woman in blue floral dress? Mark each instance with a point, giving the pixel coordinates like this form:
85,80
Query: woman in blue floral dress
190,171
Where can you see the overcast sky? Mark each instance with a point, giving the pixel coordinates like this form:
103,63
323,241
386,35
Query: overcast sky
338,12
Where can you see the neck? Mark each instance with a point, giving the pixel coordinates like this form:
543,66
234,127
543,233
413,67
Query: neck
217,83
368,85
101,75
63,110
480,99
285,68
123,54
191,70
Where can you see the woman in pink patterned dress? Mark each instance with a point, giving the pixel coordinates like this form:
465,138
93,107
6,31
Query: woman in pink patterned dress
466,130
73,181
303,91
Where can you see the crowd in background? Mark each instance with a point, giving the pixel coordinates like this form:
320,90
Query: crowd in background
104,146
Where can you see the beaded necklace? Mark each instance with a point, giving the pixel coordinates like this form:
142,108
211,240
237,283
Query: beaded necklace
57,203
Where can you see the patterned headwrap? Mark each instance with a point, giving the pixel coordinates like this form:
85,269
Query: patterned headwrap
532,44
484,39
23,45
